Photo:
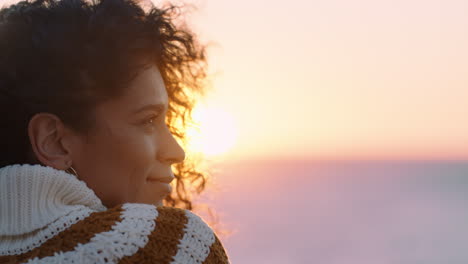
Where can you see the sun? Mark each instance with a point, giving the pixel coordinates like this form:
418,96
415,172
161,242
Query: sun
214,132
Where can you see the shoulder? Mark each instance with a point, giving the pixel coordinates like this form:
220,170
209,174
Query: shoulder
180,236
133,233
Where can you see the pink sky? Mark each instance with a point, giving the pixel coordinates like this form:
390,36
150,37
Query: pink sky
341,78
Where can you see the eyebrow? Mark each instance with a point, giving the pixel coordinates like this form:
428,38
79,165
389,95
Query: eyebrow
155,107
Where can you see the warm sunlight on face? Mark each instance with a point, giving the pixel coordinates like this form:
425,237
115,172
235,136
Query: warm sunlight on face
214,132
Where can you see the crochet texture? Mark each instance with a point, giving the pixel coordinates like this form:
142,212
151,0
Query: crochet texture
78,229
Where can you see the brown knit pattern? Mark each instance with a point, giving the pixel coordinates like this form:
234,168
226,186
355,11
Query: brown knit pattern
162,246
163,241
68,239
217,254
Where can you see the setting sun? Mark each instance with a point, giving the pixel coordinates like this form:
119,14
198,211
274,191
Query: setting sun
214,132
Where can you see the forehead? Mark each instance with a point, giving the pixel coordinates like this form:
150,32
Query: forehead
147,88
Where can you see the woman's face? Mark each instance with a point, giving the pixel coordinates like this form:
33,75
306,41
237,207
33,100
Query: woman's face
127,156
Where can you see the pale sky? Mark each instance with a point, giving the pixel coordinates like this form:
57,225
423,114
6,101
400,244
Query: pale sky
341,78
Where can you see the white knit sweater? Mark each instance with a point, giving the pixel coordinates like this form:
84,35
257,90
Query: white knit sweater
49,216
38,202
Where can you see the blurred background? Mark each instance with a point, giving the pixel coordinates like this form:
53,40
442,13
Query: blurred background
336,131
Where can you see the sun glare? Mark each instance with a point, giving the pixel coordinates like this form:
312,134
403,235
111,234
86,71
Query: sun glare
214,132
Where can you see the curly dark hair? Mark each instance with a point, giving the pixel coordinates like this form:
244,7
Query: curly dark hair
66,56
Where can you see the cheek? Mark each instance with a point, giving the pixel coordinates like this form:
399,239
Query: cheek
127,146
118,163
134,147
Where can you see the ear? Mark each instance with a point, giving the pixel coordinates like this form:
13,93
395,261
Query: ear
48,137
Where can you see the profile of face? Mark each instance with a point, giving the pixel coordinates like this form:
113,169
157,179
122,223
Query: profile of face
127,155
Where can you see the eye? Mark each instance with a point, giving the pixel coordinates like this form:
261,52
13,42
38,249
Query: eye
151,120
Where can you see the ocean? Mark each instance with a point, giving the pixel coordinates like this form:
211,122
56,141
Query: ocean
337,212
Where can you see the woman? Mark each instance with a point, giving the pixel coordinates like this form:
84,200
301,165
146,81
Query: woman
92,96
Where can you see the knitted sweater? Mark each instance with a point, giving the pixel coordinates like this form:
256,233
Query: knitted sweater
49,216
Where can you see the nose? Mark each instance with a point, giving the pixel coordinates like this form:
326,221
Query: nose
170,151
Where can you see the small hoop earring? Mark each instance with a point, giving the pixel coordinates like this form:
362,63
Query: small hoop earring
71,170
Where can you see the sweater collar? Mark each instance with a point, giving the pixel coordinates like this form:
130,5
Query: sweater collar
33,196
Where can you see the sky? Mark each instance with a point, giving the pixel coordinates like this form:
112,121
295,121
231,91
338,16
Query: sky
338,78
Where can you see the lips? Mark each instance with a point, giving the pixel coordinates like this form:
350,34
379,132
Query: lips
163,184
166,180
